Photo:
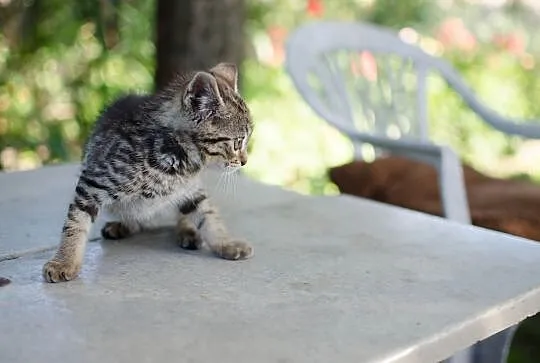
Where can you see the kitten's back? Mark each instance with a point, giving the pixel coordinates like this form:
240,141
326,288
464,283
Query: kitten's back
115,122
124,107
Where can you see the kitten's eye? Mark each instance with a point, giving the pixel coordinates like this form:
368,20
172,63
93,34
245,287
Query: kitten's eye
238,143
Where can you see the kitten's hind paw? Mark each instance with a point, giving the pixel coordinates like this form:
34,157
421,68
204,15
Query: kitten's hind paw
187,234
189,239
115,230
234,250
56,271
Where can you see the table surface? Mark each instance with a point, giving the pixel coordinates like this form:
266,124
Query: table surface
333,279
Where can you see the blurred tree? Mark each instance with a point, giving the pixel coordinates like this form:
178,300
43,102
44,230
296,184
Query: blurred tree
196,34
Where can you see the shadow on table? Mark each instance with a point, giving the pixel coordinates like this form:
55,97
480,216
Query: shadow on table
160,239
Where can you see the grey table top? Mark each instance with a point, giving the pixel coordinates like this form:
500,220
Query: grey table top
333,279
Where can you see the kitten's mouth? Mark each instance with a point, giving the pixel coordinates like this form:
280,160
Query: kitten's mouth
232,167
234,164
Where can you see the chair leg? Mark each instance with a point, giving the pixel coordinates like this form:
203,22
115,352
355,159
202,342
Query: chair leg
494,349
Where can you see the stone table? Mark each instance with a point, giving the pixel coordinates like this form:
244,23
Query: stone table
333,279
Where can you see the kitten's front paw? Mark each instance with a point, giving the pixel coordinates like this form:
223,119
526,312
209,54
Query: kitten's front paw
235,250
189,239
115,230
56,271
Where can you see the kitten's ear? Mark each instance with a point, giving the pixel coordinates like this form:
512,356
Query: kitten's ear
202,94
229,72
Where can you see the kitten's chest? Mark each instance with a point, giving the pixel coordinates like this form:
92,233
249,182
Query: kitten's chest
152,184
152,194
169,197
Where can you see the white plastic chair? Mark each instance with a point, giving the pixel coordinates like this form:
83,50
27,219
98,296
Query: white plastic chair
388,110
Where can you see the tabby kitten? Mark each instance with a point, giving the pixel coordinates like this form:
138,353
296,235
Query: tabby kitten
144,157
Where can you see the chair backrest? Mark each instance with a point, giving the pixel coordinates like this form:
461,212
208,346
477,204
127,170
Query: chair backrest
364,79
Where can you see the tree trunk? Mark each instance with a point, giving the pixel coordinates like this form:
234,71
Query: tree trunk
197,34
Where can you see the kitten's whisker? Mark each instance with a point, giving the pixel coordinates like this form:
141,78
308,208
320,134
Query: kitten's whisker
228,183
231,186
225,184
235,183
219,184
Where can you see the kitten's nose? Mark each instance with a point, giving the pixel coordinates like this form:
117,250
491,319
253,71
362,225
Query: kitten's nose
243,158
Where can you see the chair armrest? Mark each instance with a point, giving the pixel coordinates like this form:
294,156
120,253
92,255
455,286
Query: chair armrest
448,166
511,126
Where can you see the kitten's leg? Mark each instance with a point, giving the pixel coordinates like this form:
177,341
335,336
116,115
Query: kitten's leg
200,221
67,261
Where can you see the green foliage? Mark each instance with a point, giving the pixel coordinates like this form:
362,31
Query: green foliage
53,86
291,151
417,13
55,79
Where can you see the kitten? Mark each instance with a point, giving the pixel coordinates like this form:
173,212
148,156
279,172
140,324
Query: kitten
144,156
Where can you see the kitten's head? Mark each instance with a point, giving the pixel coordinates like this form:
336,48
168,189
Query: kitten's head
220,117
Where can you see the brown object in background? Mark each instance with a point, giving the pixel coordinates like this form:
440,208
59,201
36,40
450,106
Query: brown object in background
503,205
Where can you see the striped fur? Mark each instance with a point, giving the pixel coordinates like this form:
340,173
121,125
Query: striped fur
144,157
